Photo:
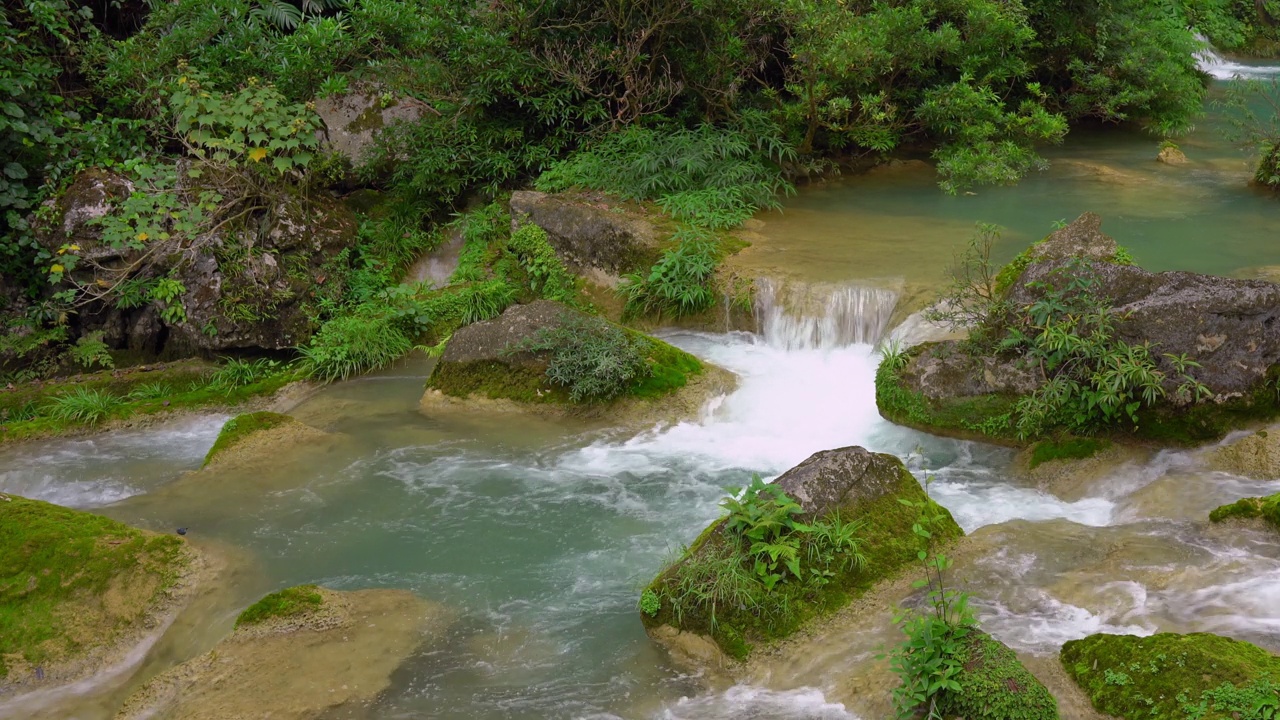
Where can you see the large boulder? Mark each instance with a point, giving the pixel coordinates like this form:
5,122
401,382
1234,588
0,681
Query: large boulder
1133,677
1230,326
994,685
1255,456
353,119
853,484
591,232
296,655
250,284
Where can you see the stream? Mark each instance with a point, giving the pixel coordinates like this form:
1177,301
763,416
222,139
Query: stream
540,534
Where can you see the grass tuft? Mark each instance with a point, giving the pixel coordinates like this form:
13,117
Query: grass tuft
282,604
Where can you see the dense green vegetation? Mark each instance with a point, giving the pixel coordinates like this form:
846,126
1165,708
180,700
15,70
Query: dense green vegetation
1175,677
284,603
52,558
706,108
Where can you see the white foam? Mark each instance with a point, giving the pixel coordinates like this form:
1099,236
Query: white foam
1218,67
1042,623
746,702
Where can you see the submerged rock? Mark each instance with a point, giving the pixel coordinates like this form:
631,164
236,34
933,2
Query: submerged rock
83,595
295,655
1171,155
853,484
483,366
1133,677
590,232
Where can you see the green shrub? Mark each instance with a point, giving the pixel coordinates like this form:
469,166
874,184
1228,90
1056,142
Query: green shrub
594,359
83,405
240,373
680,283
350,345
282,604
709,176
548,277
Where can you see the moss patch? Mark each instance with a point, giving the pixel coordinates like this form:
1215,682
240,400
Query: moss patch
995,685
1196,676
141,391
885,539
1072,448
53,559
1267,508
242,426
282,604
981,417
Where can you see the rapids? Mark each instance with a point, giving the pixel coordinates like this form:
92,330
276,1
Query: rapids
541,533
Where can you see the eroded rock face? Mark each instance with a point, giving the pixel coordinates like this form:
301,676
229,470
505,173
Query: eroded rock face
1230,326
940,371
247,287
488,341
297,668
353,120
1255,456
589,233
842,479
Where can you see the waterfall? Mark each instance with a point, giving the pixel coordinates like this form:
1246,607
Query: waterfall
803,316
1218,67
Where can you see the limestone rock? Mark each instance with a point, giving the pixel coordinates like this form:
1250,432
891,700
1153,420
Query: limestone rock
337,656
353,120
1083,238
589,232
1256,456
1171,156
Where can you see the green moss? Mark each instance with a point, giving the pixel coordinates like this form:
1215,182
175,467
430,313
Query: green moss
995,685
282,604
52,557
1210,421
672,368
1010,273
885,539
242,426
21,409
1071,448
1160,676
1267,508
981,417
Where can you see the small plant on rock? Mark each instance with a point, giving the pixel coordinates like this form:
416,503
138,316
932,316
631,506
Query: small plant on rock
594,359
680,283
83,405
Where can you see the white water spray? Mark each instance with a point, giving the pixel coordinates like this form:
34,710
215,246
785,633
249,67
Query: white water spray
801,316
1220,68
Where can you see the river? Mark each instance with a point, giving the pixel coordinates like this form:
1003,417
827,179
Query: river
541,533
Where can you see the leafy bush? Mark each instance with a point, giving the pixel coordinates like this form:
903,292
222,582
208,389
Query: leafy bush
90,350
83,405
709,176
1253,108
680,283
596,360
350,345
547,275
239,373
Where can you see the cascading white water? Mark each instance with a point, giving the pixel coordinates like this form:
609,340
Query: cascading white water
803,316
1216,66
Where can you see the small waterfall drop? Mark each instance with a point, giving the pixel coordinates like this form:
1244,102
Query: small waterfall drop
1220,68
803,316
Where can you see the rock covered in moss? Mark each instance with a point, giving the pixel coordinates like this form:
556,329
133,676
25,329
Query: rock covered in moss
589,232
80,592
485,359
304,652
1133,677
994,685
244,437
1264,508
861,487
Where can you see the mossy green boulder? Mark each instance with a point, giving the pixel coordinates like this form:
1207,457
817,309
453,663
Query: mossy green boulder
1173,677
73,583
286,603
485,359
240,427
994,685
710,591
1266,508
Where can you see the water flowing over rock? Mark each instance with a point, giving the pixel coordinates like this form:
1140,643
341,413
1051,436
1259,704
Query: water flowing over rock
802,316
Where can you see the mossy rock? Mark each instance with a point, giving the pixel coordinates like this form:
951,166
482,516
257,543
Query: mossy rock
282,604
236,430
1267,508
861,486
994,685
1067,448
480,360
1161,676
72,583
